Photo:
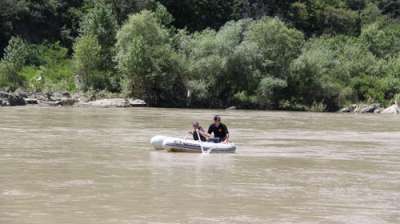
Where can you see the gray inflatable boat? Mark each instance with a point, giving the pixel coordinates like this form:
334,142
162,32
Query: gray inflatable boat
186,145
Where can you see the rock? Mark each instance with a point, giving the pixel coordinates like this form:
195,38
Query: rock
65,101
231,108
394,109
11,99
38,96
345,110
378,110
66,94
116,102
4,102
348,109
137,103
364,108
16,101
31,101
4,94
56,96
370,108
20,92
53,103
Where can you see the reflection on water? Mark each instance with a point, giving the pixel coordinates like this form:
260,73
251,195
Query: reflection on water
80,165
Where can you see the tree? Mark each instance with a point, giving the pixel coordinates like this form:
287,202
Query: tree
101,24
15,57
196,15
87,63
151,67
328,69
391,8
39,20
382,37
278,43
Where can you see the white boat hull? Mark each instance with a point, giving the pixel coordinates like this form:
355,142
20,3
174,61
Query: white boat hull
185,145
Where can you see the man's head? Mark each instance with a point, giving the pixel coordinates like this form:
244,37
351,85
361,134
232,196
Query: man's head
217,120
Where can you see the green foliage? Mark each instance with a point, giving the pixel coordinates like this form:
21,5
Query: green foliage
15,57
36,67
390,7
315,55
162,14
244,62
151,67
340,70
278,44
49,69
87,61
268,88
100,23
16,52
36,21
382,37
215,59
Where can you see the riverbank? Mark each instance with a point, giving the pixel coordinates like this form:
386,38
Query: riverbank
22,98
105,100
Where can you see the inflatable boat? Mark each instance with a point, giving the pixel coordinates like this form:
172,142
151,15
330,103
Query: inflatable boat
187,145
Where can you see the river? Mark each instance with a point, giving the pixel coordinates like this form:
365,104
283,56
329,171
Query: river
90,166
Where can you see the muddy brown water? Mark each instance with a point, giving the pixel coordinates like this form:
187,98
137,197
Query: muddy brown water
85,165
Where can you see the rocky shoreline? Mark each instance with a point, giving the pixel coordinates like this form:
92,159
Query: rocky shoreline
371,108
21,98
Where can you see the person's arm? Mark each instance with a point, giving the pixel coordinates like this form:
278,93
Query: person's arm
226,139
204,133
210,129
227,135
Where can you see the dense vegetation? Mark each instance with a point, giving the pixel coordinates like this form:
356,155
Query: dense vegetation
277,54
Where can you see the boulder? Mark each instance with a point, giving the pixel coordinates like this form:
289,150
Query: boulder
31,101
52,103
116,102
66,94
11,99
370,108
137,103
56,96
365,108
348,109
4,94
38,96
394,109
378,110
66,101
20,92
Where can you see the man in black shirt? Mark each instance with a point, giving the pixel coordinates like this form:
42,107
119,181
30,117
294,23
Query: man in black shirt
220,131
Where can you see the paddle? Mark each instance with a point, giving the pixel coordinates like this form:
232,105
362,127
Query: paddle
199,139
